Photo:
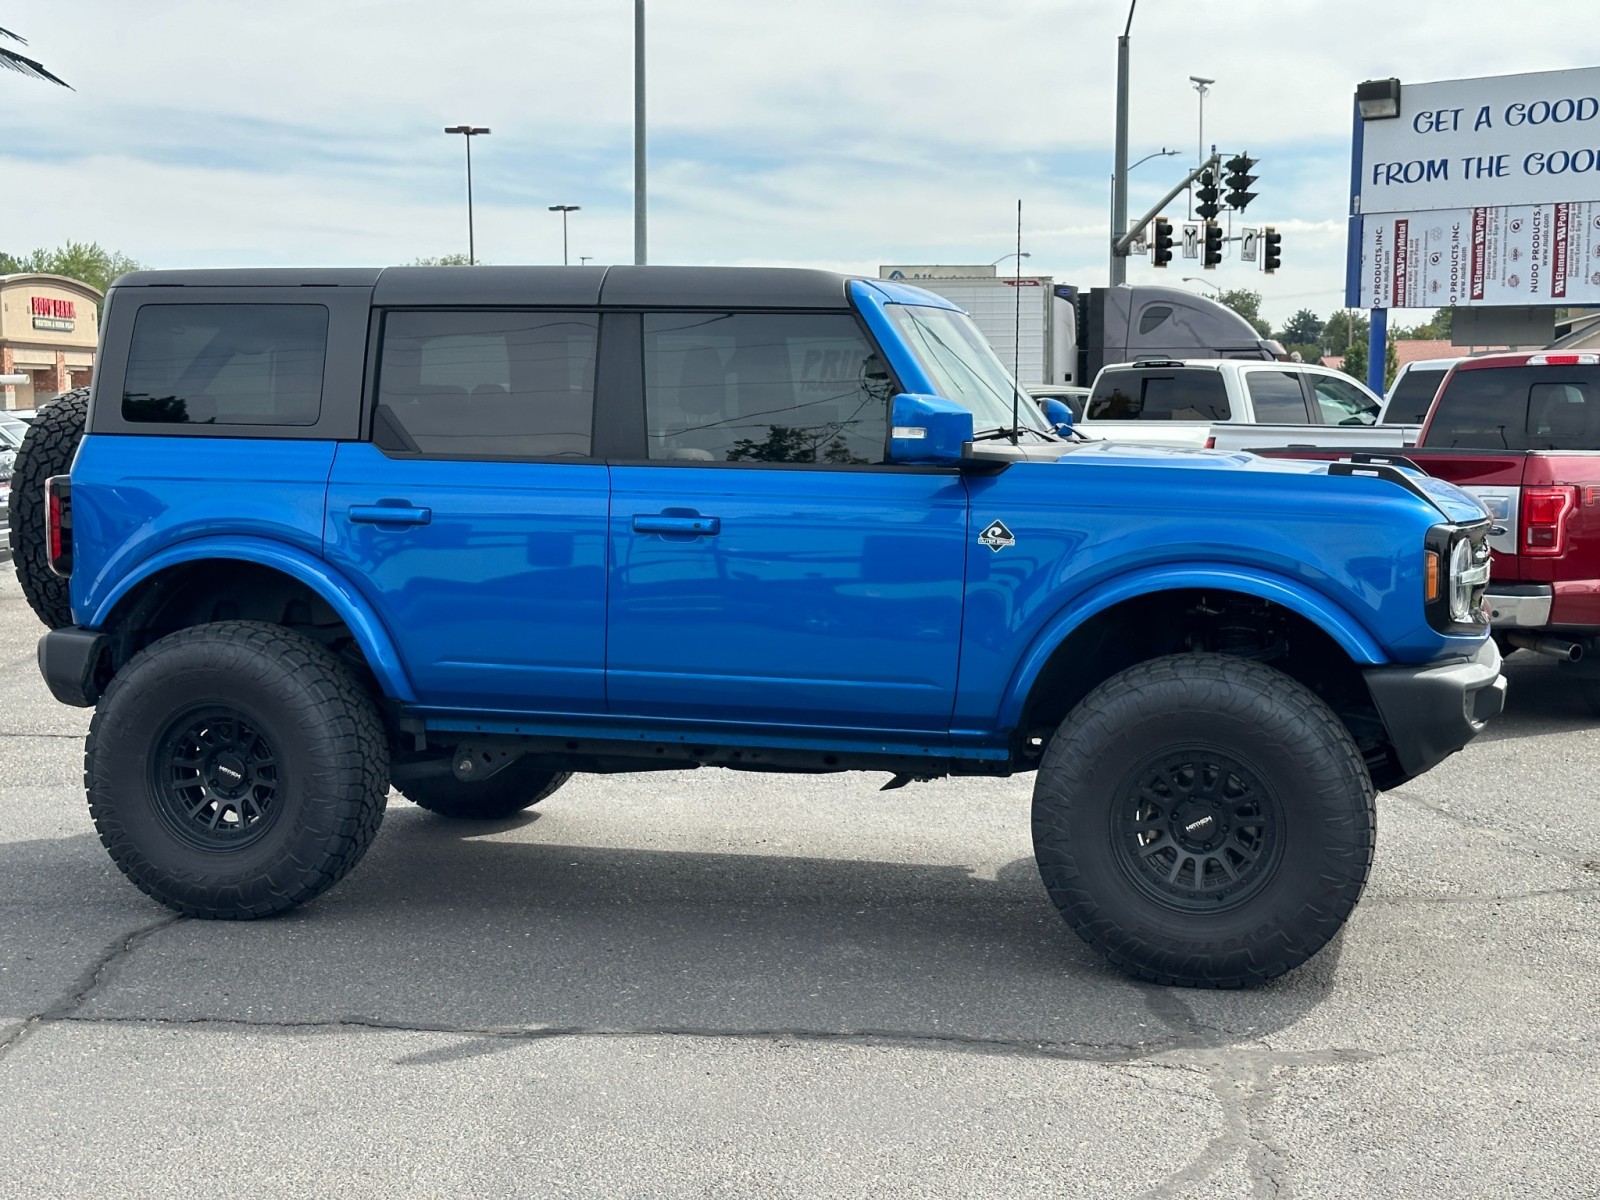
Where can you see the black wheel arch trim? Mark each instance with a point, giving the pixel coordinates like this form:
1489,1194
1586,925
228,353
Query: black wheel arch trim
1432,711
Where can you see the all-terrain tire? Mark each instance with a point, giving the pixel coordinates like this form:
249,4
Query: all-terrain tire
47,449
507,792
1204,821
235,770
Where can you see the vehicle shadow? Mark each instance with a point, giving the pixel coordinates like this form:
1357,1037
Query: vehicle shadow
444,928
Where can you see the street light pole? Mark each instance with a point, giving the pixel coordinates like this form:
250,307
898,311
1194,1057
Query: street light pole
1201,86
640,256
1119,171
564,209
1014,254
469,132
1196,279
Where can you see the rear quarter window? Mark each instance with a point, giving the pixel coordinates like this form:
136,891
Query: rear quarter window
226,364
1412,398
1164,394
1519,408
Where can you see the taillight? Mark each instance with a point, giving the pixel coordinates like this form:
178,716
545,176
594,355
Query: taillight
1563,360
1544,519
58,523
1211,442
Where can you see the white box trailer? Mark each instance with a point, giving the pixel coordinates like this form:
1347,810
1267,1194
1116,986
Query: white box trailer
1002,307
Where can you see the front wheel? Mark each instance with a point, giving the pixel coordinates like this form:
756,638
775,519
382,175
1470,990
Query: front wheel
1204,821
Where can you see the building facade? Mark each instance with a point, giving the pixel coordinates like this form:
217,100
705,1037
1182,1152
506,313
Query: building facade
49,327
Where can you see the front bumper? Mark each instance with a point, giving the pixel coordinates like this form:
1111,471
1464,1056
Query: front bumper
1430,712
75,663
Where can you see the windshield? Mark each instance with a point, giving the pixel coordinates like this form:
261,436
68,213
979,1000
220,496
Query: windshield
11,433
961,365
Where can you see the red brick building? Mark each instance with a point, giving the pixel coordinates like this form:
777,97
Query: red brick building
49,327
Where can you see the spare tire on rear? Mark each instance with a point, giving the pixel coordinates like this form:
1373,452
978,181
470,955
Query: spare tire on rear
47,450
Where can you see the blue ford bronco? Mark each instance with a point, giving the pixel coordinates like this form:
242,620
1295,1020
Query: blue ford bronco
468,532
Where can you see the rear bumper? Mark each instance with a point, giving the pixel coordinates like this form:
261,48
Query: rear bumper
1431,712
75,663
1519,605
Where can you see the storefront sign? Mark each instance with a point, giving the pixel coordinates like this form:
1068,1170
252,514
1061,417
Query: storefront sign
53,324
49,306
1512,255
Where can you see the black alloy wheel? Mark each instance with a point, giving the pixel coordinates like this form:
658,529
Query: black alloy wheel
216,779
1198,830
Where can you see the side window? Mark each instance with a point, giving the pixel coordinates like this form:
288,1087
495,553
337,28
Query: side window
1153,317
1168,395
226,364
1277,397
1342,403
763,387
487,384
1563,414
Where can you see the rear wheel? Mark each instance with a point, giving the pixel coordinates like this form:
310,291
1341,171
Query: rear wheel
1204,821
47,449
507,792
236,770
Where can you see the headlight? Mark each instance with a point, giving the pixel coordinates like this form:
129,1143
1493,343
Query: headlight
1457,575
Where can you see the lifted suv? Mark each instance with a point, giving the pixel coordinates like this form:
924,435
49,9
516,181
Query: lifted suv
469,531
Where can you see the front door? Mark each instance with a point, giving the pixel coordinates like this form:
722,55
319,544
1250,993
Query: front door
475,521
767,567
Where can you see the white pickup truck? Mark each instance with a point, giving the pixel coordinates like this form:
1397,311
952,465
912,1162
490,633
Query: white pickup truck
1236,404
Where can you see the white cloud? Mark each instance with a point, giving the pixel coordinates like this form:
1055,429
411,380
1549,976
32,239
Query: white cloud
830,132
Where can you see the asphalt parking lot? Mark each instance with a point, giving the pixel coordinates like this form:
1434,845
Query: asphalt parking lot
716,984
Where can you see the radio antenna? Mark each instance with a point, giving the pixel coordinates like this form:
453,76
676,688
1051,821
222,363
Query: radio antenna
1016,333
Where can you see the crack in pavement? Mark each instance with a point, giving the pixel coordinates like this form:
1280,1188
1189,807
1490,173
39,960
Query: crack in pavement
1521,841
90,979
1478,897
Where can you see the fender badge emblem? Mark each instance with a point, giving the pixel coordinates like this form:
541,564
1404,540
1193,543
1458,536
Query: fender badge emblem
997,537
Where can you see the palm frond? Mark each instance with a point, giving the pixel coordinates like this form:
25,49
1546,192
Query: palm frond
15,37
12,61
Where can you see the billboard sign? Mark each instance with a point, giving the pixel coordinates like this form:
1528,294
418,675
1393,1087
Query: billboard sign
935,271
1520,254
1472,143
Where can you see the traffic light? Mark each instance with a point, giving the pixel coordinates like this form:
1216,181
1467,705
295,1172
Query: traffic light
1207,191
1213,245
1239,180
1272,249
1162,254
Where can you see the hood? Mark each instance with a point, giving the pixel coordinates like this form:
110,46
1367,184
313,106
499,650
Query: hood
1456,505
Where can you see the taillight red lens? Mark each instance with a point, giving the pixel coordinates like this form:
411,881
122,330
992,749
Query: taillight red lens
58,522
1544,518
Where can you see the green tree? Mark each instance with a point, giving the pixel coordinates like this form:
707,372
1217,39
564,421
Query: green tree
444,260
1355,362
1309,352
1248,305
1302,328
10,60
87,262
1337,332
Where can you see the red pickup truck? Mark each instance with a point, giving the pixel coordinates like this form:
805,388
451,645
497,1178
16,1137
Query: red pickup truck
1521,432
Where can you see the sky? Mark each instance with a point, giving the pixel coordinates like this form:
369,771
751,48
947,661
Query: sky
832,133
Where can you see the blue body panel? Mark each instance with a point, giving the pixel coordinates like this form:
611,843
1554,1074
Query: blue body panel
825,598
497,599
133,497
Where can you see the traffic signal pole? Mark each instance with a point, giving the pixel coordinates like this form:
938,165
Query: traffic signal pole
1120,246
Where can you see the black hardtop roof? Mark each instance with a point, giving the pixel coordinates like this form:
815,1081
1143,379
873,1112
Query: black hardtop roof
620,287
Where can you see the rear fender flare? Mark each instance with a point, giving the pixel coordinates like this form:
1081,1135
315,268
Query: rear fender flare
341,595
1351,636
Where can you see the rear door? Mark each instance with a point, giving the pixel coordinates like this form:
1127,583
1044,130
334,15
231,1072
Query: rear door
474,520
767,566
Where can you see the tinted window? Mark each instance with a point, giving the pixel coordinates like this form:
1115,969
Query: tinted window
1276,397
489,384
226,364
1413,396
1519,408
1175,394
1341,403
763,387
1153,316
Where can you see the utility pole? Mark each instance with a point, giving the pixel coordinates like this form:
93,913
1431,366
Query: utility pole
1119,175
640,255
